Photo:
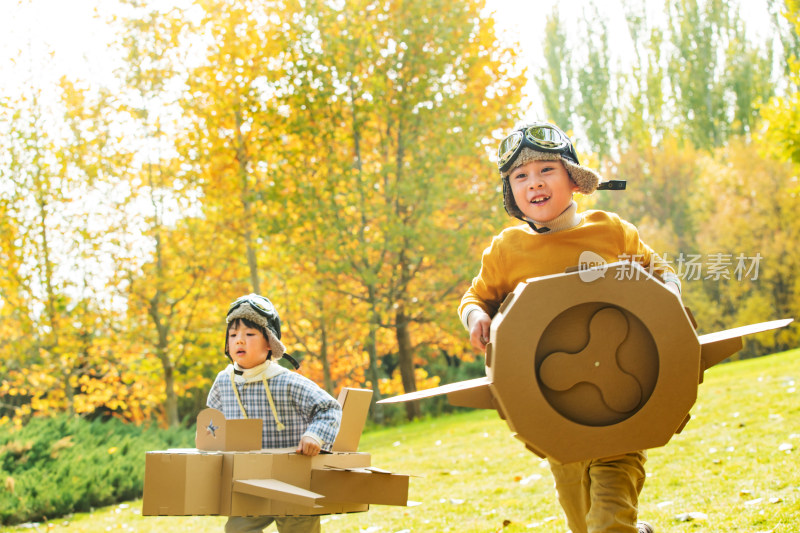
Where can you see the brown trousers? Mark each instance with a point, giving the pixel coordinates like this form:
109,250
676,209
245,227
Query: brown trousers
601,495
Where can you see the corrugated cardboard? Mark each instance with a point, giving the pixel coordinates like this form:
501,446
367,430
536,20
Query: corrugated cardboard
252,482
356,403
182,483
272,489
215,433
362,485
589,366
239,499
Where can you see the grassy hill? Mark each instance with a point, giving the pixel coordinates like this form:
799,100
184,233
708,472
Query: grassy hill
734,468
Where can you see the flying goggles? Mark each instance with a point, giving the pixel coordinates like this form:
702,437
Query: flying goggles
542,137
263,307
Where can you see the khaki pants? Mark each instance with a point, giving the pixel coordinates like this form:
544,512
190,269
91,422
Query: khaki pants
286,524
601,495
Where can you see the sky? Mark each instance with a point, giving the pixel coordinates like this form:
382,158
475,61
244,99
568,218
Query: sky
73,41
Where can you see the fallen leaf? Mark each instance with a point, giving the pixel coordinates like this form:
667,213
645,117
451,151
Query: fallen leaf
694,516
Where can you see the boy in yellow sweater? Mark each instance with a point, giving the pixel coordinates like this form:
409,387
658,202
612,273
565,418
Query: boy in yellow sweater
540,172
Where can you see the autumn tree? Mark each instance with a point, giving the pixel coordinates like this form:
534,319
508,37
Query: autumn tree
717,77
748,236
234,133
34,194
782,113
391,102
168,271
596,107
644,115
556,82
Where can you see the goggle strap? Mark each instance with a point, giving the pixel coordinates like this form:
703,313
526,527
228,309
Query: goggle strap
612,185
292,360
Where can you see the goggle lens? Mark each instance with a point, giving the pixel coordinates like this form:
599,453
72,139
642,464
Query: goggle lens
508,147
546,137
540,136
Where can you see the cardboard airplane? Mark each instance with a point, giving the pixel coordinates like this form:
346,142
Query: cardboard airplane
229,474
593,363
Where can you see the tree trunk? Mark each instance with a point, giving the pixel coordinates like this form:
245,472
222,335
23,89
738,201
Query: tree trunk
405,353
171,404
372,352
323,354
243,159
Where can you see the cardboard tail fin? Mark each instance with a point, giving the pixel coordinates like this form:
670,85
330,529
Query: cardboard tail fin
355,408
716,347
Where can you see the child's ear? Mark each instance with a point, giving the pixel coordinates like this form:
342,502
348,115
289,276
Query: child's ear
575,187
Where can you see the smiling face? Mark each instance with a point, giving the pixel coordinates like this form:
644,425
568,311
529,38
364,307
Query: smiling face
247,346
542,189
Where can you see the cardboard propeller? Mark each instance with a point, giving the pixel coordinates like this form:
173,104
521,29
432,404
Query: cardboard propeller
593,363
229,474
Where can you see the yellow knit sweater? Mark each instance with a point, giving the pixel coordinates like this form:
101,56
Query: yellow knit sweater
518,253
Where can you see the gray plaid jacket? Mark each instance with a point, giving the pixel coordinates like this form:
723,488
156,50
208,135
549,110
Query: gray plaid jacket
302,407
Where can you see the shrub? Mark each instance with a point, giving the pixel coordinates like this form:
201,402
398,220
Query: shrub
55,466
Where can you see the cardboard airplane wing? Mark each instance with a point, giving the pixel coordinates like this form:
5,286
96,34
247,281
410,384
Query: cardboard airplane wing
609,365
229,474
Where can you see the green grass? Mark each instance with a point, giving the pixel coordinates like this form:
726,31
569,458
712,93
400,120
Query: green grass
731,464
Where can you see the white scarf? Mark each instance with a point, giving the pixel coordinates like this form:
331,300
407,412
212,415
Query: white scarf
257,373
262,373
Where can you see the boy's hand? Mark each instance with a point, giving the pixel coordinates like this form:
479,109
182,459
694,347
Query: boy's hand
479,329
673,287
308,446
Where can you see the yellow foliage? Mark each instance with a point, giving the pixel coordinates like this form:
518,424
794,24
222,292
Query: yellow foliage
394,386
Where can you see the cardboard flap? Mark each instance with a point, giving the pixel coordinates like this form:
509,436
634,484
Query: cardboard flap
216,433
715,347
459,390
362,469
355,408
272,489
479,397
361,485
